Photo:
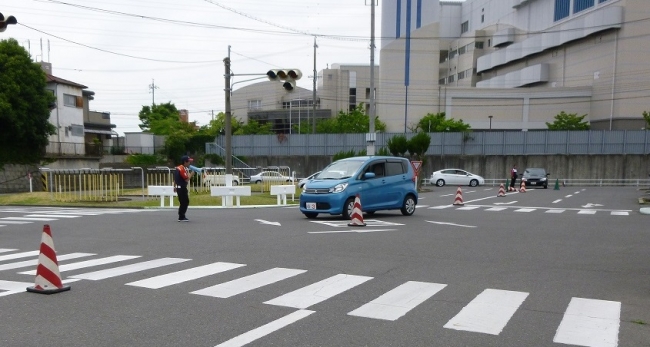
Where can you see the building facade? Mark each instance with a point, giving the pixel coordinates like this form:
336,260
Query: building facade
514,64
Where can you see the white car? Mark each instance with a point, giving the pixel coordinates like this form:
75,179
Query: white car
218,180
270,176
307,179
456,177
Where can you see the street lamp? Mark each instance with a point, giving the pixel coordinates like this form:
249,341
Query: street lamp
490,116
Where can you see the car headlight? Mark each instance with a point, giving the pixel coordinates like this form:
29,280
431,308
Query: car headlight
543,179
338,188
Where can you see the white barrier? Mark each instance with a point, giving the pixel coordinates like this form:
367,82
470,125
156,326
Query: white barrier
281,191
229,192
163,191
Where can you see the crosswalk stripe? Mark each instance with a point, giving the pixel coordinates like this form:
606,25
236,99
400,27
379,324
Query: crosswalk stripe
4,250
13,286
244,284
587,212
554,211
184,275
441,207
525,210
589,322
266,329
26,219
399,301
127,269
496,209
19,255
34,262
52,216
620,213
88,263
14,222
489,312
468,208
319,291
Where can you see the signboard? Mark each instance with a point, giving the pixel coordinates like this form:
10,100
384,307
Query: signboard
416,166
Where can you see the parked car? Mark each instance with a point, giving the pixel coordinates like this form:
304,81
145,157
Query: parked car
535,177
382,183
270,176
218,180
302,182
456,177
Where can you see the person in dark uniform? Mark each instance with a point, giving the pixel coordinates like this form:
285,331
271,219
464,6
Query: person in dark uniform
182,177
513,177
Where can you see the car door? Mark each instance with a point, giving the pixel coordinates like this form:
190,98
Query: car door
461,178
398,181
373,190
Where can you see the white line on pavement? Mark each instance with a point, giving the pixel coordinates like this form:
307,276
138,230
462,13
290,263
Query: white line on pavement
319,291
452,224
266,329
589,322
489,312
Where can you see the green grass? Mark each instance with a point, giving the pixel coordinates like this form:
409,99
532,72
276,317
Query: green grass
640,322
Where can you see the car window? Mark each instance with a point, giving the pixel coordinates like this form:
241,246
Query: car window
461,172
394,168
339,169
449,172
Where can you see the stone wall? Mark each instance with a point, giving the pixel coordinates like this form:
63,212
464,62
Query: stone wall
14,178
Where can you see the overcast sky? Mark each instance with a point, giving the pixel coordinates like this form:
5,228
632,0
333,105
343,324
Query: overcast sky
117,47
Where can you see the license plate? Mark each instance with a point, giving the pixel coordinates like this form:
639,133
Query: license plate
533,183
310,205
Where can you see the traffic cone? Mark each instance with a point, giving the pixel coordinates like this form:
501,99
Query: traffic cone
522,188
557,184
502,191
458,200
357,215
48,279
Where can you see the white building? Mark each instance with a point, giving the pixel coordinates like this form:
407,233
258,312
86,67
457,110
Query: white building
520,61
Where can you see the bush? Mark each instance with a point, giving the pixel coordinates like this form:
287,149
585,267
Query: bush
214,159
344,154
146,160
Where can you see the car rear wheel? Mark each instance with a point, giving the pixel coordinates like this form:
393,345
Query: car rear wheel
473,183
408,207
311,215
440,182
348,208
235,183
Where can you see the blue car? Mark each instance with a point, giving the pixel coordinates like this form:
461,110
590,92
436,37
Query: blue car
382,183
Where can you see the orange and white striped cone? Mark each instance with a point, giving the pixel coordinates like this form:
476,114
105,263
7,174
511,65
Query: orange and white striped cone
48,278
502,191
522,188
357,215
458,200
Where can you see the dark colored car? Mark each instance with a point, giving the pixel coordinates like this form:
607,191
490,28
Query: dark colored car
535,177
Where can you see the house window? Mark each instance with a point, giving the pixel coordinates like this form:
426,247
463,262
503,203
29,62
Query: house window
562,9
461,75
77,130
69,100
441,81
462,50
367,93
482,18
489,42
254,105
581,5
452,54
464,27
478,45
450,79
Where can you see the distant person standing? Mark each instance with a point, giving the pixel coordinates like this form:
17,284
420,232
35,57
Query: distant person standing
182,177
513,177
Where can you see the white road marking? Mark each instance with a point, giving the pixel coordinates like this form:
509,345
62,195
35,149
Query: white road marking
442,196
556,201
127,269
506,203
587,212
589,322
578,192
244,284
555,211
399,301
51,216
344,223
620,213
497,209
421,206
468,208
13,286
360,230
4,250
452,224
262,221
266,329
489,312
319,291
88,263
184,275
525,210
568,196
26,219
19,255
34,262
441,207
14,222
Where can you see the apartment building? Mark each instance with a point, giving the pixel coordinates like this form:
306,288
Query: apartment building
514,64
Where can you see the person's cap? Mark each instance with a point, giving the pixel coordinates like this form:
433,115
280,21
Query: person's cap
186,158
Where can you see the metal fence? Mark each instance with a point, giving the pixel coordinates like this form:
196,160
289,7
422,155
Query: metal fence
472,143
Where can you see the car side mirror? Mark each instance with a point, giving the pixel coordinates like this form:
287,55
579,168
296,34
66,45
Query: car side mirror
548,174
368,175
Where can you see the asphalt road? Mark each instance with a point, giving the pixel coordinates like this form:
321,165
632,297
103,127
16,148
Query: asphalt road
541,268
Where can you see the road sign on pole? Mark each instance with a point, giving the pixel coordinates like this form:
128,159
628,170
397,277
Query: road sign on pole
416,169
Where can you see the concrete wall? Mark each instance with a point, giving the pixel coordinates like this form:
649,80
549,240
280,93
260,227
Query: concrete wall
13,178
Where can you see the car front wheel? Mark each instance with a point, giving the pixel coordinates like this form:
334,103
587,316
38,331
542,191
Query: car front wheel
348,208
473,183
408,207
440,182
311,215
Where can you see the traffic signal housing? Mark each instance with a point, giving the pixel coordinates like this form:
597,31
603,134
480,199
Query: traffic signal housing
287,76
6,21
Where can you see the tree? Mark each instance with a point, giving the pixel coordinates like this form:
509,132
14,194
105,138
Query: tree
355,121
646,116
568,121
24,107
217,126
254,127
160,119
418,145
398,145
435,123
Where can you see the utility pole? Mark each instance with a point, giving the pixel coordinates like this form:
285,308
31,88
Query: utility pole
228,117
371,138
153,88
313,113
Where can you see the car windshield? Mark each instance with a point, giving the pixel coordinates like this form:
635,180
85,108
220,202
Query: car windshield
340,169
535,172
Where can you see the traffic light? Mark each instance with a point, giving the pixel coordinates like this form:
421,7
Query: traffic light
6,21
288,76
